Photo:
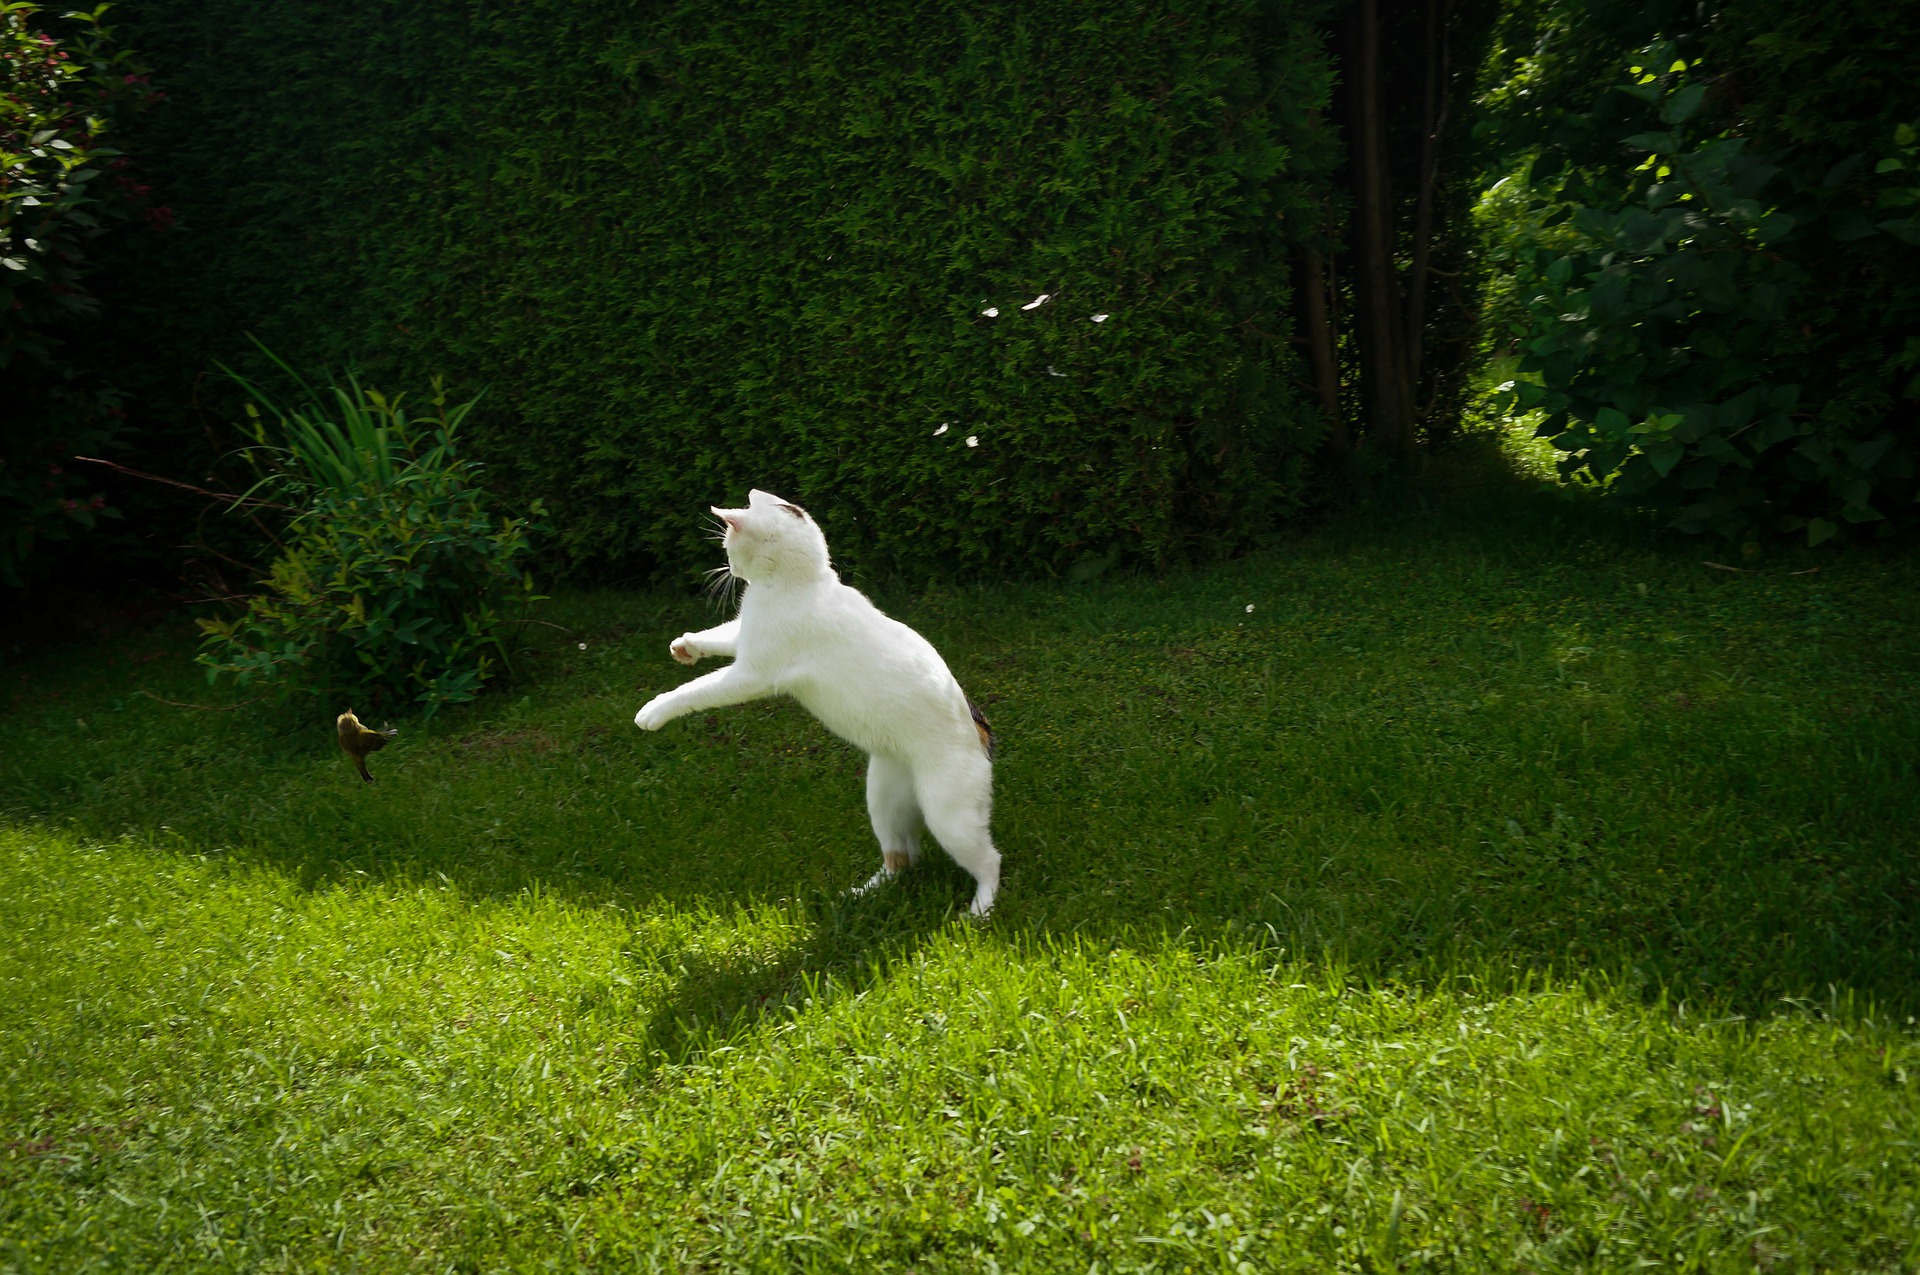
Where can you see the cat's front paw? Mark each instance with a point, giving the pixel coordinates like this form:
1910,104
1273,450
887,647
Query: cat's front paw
654,714
684,650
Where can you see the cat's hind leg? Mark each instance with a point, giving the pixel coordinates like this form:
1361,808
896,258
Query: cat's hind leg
895,812
957,799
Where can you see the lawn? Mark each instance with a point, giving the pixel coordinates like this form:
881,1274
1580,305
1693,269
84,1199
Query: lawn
1474,881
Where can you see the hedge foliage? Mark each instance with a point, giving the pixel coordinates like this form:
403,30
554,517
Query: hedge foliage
1725,313
67,91
691,249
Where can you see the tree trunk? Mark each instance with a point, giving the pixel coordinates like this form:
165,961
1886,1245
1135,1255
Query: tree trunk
1433,119
1386,388
1320,347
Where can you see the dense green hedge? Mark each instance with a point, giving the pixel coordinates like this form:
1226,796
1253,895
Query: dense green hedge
1725,306
694,248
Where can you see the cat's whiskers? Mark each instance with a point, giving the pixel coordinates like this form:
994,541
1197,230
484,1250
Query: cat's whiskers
720,585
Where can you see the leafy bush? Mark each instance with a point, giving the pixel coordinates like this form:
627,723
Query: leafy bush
62,186
395,582
1666,348
1719,320
715,247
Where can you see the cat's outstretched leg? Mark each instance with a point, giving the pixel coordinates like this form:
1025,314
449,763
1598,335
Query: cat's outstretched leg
957,800
720,640
730,685
895,812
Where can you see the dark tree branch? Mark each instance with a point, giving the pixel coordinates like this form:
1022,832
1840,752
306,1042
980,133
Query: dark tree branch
245,502
202,708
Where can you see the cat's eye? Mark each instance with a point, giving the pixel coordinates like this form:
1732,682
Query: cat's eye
795,510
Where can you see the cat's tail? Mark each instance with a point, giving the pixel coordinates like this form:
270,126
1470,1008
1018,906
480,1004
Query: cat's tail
980,725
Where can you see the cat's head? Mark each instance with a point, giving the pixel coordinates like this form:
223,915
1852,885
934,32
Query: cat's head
772,539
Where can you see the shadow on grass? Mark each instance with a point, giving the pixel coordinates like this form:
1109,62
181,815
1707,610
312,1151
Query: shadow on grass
854,943
1467,726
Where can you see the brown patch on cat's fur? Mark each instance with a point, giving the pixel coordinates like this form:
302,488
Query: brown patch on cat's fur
980,725
895,860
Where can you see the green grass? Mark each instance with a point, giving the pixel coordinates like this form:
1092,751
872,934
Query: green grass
1505,890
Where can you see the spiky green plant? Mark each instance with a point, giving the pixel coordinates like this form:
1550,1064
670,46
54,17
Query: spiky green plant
395,583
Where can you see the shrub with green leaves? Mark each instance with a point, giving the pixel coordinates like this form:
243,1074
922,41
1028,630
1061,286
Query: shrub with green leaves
396,583
783,245
1721,318
64,87
1665,346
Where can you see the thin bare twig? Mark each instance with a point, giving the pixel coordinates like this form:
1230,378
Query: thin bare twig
202,708
209,549
249,502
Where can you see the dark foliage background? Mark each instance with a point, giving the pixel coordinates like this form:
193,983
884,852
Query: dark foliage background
68,92
1733,328
687,251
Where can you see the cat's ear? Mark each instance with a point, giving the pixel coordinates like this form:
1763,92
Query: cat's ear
728,516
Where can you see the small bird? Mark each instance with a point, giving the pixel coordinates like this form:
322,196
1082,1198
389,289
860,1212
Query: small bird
357,740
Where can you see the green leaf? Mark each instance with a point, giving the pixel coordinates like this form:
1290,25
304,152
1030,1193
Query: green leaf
1658,143
1843,170
1906,230
1680,107
1663,457
1866,455
1849,225
1819,531
1774,226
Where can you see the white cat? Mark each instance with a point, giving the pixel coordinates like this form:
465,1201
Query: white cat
869,679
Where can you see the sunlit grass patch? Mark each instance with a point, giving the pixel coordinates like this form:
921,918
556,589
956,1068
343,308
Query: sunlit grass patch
220,1069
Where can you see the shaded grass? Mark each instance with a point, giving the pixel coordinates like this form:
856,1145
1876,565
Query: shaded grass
1439,910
